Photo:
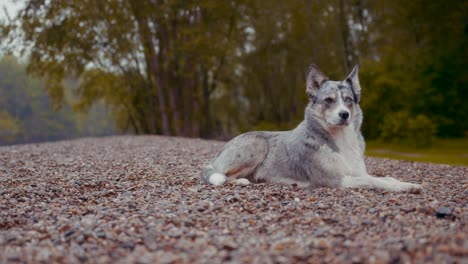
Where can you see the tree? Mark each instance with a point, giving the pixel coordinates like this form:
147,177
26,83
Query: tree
9,128
27,115
214,68
422,56
149,60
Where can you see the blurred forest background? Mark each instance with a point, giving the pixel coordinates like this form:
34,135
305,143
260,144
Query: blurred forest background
213,69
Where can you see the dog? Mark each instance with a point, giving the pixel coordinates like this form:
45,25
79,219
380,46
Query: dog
325,150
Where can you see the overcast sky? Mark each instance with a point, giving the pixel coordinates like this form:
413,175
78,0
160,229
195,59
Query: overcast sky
12,7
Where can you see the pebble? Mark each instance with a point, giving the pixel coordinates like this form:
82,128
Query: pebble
126,199
322,206
323,244
443,212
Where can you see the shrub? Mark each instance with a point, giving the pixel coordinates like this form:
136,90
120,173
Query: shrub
404,128
9,128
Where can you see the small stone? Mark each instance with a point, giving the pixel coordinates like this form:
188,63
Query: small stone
297,200
322,244
78,182
69,233
443,212
14,258
101,235
192,189
426,210
322,206
201,209
371,210
128,245
80,239
407,209
82,258
348,243
230,245
88,221
231,199
415,190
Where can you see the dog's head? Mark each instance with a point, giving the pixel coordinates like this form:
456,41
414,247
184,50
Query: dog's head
334,103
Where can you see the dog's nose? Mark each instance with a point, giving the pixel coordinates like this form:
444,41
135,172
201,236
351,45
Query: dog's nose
344,114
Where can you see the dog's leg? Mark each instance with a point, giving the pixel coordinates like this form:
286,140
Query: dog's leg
385,183
212,175
396,185
241,181
239,158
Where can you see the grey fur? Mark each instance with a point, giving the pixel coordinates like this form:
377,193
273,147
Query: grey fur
325,149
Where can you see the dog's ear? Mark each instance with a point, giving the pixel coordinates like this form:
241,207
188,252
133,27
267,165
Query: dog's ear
315,78
353,79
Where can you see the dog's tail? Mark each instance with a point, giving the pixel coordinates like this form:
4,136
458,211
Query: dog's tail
213,176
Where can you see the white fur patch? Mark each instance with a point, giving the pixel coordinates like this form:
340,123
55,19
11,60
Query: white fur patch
350,152
385,183
242,181
217,179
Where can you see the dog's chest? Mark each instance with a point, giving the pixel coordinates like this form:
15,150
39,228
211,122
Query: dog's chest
349,151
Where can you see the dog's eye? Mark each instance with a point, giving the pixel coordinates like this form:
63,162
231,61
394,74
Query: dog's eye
348,100
329,100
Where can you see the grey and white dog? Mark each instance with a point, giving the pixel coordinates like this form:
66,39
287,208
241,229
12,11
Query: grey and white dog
326,149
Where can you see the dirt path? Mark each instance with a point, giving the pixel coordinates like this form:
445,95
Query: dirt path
135,199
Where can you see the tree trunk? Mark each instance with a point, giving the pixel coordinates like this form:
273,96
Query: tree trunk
207,130
153,69
196,106
348,55
192,107
187,99
363,37
165,62
313,32
132,120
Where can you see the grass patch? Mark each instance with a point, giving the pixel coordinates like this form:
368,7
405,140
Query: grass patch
446,151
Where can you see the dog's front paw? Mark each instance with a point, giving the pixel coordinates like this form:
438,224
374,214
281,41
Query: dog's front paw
409,187
241,181
399,186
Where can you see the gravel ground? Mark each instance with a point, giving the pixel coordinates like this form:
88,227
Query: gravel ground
138,199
